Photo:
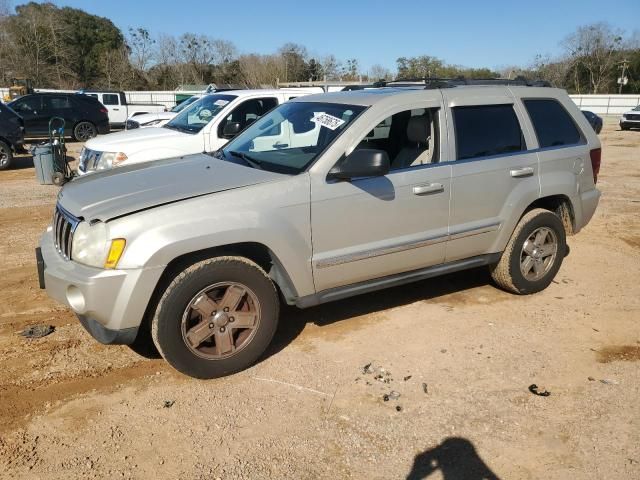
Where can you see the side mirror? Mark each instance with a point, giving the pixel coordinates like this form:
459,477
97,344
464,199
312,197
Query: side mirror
362,163
231,129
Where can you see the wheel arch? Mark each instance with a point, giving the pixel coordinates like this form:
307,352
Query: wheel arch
559,204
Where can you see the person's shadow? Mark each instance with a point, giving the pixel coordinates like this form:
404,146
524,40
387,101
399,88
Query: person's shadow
456,458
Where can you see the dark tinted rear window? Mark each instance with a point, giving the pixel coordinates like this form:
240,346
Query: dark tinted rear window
553,125
486,130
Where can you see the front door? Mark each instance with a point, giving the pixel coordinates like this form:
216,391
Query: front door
374,227
117,112
30,109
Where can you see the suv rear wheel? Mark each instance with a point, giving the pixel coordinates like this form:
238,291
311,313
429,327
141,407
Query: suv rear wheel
84,131
533,255
216,318
6,156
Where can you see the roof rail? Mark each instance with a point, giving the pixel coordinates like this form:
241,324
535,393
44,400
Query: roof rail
434,82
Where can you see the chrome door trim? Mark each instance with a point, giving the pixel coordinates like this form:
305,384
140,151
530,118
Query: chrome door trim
377,252
492,227
401,247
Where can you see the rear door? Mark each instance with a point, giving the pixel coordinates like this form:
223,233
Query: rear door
493,174
117,111
60,106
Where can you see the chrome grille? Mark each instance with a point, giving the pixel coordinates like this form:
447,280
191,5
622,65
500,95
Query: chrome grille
64,226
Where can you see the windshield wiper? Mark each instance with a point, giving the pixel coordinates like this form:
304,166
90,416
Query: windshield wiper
179,129
250,161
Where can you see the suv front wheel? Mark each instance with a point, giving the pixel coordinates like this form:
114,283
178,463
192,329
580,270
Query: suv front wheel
216,318
533,255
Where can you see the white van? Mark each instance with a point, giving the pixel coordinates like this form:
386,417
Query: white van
205,126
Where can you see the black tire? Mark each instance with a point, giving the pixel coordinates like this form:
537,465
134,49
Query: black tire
624,127
168,330
84,131
58,179
508,272
6,156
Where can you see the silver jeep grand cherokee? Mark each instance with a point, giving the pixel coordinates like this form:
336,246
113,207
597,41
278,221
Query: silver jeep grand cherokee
325,197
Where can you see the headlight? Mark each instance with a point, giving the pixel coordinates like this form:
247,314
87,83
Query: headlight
92,246
151,123
110,159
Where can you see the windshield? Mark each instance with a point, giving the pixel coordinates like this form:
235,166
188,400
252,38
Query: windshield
184,104
194,118
637,109
290,137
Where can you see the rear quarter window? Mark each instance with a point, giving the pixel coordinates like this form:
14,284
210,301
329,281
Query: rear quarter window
486,130
553,125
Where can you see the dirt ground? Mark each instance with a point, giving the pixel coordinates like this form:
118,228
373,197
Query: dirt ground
460,353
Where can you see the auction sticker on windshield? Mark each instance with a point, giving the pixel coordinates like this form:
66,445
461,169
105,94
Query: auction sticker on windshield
221,103
327,120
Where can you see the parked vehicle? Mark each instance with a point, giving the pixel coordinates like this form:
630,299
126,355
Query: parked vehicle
158,119
205,126
84,116
594,120
322,198
119,109
11,135
630,119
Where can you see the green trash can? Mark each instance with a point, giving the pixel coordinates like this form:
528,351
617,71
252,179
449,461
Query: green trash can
43,161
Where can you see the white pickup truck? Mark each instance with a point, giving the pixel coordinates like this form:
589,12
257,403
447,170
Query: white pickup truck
119,109
159,119
205,126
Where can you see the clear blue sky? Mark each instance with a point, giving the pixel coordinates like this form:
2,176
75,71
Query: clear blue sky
473,33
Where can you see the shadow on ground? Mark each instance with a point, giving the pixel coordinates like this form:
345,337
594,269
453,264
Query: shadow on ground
293,320
455,458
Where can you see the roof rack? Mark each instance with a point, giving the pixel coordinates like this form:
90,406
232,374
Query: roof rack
434,82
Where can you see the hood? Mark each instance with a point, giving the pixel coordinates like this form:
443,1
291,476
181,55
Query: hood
133,140
124,190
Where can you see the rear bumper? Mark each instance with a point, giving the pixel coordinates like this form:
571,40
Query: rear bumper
589,201
104,128
109,303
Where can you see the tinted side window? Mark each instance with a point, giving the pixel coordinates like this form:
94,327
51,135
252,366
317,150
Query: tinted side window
486,130
110,99
56,103
552,123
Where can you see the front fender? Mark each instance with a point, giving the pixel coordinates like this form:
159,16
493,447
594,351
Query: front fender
274,214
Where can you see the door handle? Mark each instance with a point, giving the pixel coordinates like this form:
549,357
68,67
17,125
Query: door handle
428,189
280,145
522,172
116,109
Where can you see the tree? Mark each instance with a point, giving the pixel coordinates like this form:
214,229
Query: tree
592,48
314,70
141,46
350,71
331,67
378,72
295,65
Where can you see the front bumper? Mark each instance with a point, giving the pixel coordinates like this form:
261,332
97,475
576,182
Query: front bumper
109,303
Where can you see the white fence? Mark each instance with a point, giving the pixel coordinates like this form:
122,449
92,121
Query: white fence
600,104
606,104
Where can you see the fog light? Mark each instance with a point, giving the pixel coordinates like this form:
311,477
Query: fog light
76,299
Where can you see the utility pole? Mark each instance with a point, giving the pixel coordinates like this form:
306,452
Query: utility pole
624,65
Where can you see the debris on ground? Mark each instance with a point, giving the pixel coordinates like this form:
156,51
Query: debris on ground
407,377
367,369
425,388
37,331
398,408
591,379
608,381
540,391
168,403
